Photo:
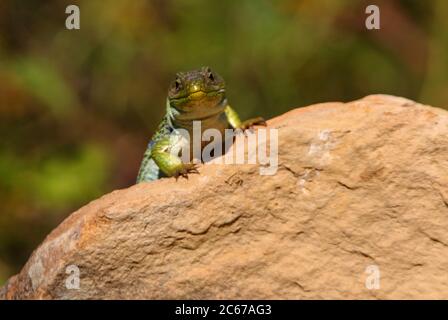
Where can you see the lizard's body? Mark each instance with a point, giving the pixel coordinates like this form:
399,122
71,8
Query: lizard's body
197,95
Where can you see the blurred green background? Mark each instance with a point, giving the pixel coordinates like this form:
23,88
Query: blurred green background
77,107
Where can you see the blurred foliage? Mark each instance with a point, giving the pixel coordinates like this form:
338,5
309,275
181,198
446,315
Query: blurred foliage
77,107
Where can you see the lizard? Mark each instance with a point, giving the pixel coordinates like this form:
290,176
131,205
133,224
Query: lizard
197,95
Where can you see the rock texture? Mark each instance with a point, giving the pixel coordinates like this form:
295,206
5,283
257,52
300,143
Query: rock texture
359,184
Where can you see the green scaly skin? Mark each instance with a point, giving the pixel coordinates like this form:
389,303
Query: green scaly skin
197,95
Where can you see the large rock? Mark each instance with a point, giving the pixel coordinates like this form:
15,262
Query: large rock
360,184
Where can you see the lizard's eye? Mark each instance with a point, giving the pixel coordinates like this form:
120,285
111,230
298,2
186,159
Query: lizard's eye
210,75
177,84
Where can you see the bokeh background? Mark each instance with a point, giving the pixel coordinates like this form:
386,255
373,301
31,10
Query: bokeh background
77,107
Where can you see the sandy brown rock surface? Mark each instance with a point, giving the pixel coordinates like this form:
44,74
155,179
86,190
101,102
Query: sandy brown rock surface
359,184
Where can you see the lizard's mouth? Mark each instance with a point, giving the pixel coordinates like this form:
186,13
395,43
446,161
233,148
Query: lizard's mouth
199,94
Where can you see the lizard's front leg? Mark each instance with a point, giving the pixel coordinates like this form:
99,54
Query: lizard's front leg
236,123
168,162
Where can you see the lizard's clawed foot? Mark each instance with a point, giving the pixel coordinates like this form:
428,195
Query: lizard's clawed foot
186,169
259,121
249,124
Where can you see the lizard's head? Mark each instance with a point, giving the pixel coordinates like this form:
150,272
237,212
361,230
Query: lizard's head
199,92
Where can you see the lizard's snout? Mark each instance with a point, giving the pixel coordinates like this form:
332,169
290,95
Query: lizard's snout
197,95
